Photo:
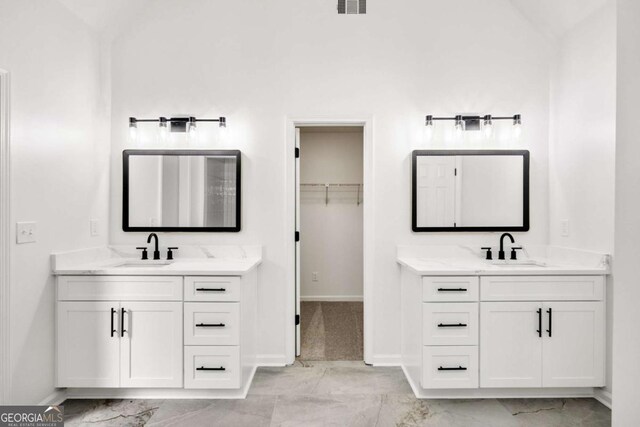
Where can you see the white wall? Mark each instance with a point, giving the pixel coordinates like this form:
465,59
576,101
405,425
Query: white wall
583,138
261,62
331,234
626,268
59,169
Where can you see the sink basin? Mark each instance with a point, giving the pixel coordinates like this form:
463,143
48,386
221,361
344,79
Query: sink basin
521,264
143,264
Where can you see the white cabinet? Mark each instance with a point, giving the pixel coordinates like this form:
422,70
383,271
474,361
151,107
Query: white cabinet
153,332
88,346
510,345
151,344
504,331
119,344
542,344
573,353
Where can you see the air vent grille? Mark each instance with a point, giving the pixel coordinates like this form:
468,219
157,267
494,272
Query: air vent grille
352,7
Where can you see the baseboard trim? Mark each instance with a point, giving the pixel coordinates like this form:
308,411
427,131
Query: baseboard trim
385,360
603,396
271,360
55,398
332,298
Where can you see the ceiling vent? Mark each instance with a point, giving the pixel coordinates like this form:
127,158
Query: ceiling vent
352,7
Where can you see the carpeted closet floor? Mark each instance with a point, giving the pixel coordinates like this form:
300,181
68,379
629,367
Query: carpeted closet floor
331,331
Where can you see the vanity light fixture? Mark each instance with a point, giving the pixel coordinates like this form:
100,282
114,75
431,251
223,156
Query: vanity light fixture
173,124
467,123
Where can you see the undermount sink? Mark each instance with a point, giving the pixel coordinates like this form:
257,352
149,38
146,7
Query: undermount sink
519,264
143,264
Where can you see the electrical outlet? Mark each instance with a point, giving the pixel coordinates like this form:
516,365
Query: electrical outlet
314,276
26,232
95,227
564,227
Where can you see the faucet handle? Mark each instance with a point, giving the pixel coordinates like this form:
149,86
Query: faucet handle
170,252
489,254
145,255
514,255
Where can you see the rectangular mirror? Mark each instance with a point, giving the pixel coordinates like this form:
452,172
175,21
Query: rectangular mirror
470,190
181,190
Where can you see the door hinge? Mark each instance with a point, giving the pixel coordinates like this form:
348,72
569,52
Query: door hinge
297,319
297,236
455,172
297,152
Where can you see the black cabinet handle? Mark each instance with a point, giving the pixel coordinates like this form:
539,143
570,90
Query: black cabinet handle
539,330
550,322
452,325
210,325
459,368
202,368
211,289
452,289
122,329
113,331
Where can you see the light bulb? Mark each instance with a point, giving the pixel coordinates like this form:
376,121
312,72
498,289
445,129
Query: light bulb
133,129
164,129
191,129
488,126
459,126
517,126
428,128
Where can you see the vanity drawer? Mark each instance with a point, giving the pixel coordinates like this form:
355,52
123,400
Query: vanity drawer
212,288
450,323
450,367
450,288
119,288
212,367
542,288
211,323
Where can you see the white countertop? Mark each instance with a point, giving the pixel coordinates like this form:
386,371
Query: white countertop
120,261
465,261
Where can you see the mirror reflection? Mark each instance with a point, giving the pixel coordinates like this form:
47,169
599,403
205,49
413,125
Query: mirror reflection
470,190
182,190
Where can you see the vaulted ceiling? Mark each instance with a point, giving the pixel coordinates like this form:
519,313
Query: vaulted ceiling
551,17
555,17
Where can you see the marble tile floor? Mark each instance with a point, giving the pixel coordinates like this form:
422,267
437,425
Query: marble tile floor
336,394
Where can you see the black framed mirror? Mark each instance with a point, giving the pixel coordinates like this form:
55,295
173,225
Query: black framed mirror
181,190
470,190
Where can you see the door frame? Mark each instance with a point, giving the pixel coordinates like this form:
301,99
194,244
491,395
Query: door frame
5,237
291,123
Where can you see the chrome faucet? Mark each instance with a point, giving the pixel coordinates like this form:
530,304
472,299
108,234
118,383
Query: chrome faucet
156,252
501,252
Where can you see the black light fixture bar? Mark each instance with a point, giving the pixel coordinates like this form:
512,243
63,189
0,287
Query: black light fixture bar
178,124
465,118
473,122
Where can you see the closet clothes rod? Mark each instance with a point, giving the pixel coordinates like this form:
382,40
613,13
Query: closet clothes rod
327,186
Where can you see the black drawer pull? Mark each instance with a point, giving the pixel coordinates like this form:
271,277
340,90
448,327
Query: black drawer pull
210,325
452,289
211,289
550,322
452,325
202,368
459,368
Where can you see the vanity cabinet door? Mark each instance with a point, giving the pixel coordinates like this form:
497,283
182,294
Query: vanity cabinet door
88,344
510,345
151,354
574,344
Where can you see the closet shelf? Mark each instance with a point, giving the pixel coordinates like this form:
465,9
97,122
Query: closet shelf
343,188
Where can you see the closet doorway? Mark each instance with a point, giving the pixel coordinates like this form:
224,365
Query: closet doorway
329,252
